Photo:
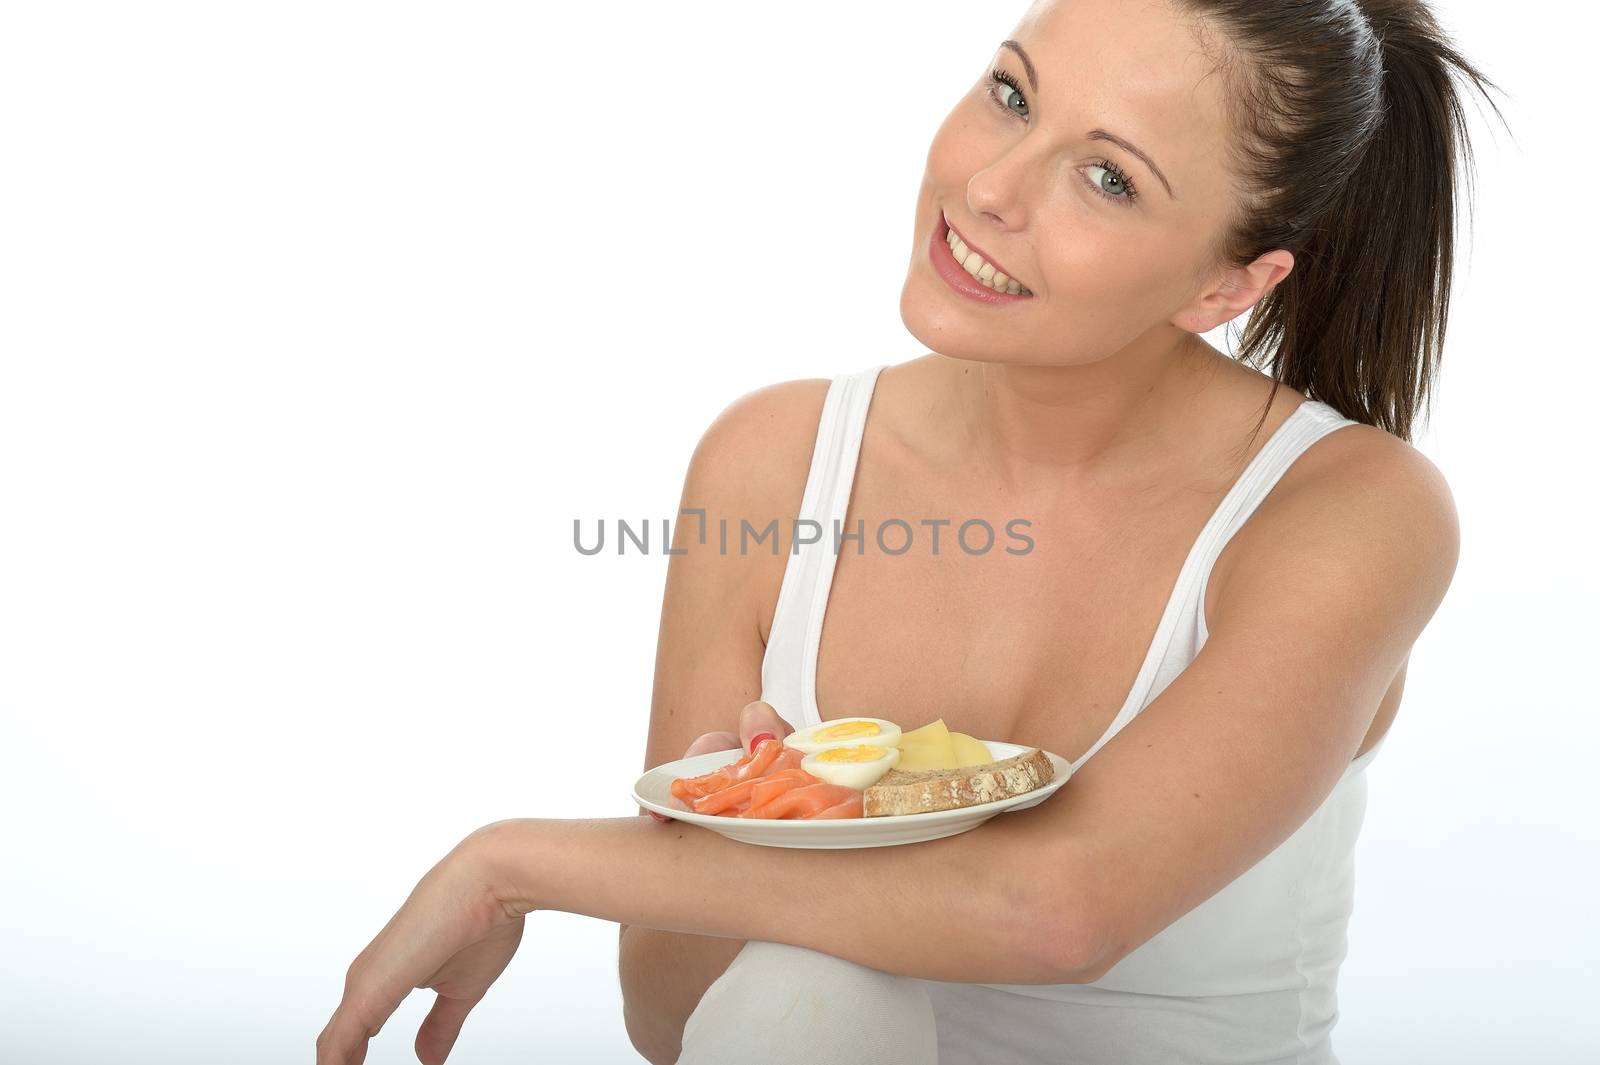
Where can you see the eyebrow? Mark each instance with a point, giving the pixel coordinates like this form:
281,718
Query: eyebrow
1094,134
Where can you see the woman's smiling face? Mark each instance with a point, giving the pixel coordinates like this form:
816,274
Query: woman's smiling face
1086,162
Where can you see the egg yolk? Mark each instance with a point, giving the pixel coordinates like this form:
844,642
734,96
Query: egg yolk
863,753
846,730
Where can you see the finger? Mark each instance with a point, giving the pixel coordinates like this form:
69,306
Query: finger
712,741
359,1017
342,1043
441,1027
377,982
355,1022
761,717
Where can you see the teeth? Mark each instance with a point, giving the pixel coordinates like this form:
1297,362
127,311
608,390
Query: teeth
980,268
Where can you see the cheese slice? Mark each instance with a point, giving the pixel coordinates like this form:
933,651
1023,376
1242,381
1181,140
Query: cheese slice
929,747
969,751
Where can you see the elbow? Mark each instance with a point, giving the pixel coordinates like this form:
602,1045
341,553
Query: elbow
1079,950
1069,935
1090,968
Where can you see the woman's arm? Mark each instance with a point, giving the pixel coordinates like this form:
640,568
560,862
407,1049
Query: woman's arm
750,463
975,907
1331,581
461,925
1330,590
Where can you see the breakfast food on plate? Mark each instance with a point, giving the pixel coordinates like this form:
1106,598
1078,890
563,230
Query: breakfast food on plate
853,767
862,767
933,746
766,756
844,732
949,789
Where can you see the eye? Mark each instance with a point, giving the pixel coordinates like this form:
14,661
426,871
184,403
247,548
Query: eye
1118,186
1003,86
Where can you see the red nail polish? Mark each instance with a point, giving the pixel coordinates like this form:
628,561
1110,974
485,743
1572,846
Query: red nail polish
757,738
657,816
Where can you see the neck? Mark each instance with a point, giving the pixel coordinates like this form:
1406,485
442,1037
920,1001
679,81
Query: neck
1036,425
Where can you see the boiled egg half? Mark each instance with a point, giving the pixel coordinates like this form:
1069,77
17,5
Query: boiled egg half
857,767
844,732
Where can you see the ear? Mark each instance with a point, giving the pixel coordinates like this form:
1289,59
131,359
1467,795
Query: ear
1234,292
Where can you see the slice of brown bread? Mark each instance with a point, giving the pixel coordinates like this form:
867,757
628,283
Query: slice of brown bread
923,792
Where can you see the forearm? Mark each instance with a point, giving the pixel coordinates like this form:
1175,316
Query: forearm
965,908
664,975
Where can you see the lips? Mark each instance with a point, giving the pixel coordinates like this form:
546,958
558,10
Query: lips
990,259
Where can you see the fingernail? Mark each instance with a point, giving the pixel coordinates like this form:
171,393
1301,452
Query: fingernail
657,816
758,737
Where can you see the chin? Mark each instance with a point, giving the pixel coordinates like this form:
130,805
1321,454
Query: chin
943,331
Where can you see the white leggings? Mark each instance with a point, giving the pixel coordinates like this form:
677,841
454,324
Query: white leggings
784,1005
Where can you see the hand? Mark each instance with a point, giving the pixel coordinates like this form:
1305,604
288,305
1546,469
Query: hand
755,720
452,934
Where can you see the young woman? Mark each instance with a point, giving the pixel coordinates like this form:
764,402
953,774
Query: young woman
1226,570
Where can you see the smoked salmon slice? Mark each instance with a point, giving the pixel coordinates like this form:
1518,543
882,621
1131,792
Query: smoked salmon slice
754,791
802,802
772,785
747,767
767,783
718,801
851,807
788,758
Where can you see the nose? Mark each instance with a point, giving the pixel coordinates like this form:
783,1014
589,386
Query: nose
999,193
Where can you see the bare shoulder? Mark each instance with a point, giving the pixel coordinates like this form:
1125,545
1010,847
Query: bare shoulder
757,451
1364,480
1358,500
750,466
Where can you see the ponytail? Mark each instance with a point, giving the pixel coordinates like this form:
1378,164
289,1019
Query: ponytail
1349,127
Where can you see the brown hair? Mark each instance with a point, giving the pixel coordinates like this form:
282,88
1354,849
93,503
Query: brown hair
1346,128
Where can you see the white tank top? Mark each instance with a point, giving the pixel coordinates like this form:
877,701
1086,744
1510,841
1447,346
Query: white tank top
1249,974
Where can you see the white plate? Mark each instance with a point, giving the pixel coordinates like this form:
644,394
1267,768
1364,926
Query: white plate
653,791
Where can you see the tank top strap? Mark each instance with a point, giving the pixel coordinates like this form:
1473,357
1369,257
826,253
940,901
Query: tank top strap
1180,632
809,569
838,447
1309,422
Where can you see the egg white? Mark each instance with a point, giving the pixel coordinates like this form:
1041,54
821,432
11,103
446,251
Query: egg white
806,741
858,775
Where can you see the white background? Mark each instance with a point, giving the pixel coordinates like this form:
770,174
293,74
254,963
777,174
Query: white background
323,321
